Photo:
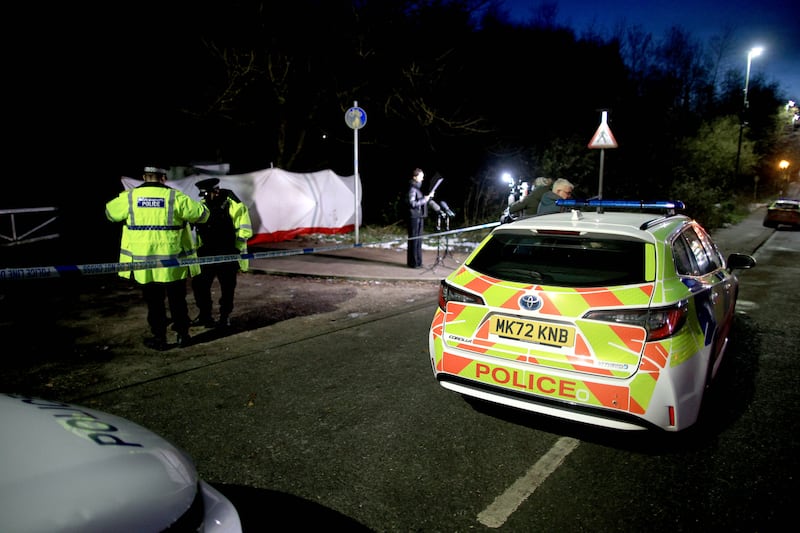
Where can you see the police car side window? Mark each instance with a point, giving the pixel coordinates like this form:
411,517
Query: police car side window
698,252
714,257
685,262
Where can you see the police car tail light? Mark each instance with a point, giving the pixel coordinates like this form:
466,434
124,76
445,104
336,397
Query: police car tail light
451,294
660,323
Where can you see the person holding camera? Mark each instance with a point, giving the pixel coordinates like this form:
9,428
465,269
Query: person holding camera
417,212
530,203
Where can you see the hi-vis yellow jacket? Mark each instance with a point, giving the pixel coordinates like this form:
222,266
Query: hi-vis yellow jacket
156,227
241,225
244,230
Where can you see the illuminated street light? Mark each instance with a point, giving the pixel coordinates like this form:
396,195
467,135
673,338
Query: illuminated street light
784,165
754,52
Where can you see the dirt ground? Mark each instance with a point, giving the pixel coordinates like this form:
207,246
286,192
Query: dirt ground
67,337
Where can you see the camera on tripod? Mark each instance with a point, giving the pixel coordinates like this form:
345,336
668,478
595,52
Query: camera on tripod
518,189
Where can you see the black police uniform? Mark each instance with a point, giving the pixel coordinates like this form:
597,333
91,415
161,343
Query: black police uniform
217,236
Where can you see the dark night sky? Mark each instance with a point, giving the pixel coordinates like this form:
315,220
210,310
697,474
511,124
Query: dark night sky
772,24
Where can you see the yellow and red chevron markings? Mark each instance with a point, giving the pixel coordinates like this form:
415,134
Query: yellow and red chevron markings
603,351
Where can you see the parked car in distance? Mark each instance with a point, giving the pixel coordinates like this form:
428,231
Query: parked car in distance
66,467
783,212
618,319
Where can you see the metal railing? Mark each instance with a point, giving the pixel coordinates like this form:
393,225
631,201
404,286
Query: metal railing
18,236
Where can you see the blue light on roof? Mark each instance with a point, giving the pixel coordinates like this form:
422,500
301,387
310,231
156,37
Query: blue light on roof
625,204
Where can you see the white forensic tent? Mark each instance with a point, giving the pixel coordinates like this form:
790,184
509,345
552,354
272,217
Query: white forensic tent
285,204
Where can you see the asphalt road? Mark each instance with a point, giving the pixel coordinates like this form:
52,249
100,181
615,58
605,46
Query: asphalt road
346,425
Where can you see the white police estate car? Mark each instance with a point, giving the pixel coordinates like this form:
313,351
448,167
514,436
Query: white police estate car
65,467
618,319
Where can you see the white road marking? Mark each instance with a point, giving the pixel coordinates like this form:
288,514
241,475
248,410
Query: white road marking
501,508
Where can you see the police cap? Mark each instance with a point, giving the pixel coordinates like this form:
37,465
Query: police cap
155,170
207,184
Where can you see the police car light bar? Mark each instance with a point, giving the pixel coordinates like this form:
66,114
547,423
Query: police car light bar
625,204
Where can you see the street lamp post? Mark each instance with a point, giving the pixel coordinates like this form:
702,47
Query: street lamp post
754,52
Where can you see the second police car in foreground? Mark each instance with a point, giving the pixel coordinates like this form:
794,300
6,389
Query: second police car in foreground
614,318
69,468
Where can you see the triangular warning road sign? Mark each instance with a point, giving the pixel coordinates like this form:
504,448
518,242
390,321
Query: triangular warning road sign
603,138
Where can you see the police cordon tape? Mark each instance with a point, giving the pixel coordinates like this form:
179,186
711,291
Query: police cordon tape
43,272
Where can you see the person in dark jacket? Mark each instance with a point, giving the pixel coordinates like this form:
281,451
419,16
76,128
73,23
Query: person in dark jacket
417,211
224,233
562,190
530,204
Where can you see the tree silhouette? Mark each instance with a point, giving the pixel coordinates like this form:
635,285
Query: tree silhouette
453,86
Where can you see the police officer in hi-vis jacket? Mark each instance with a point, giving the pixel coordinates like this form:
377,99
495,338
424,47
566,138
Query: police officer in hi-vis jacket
224,233
156,222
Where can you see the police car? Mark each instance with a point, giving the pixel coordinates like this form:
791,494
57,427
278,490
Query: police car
64,467
611,315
